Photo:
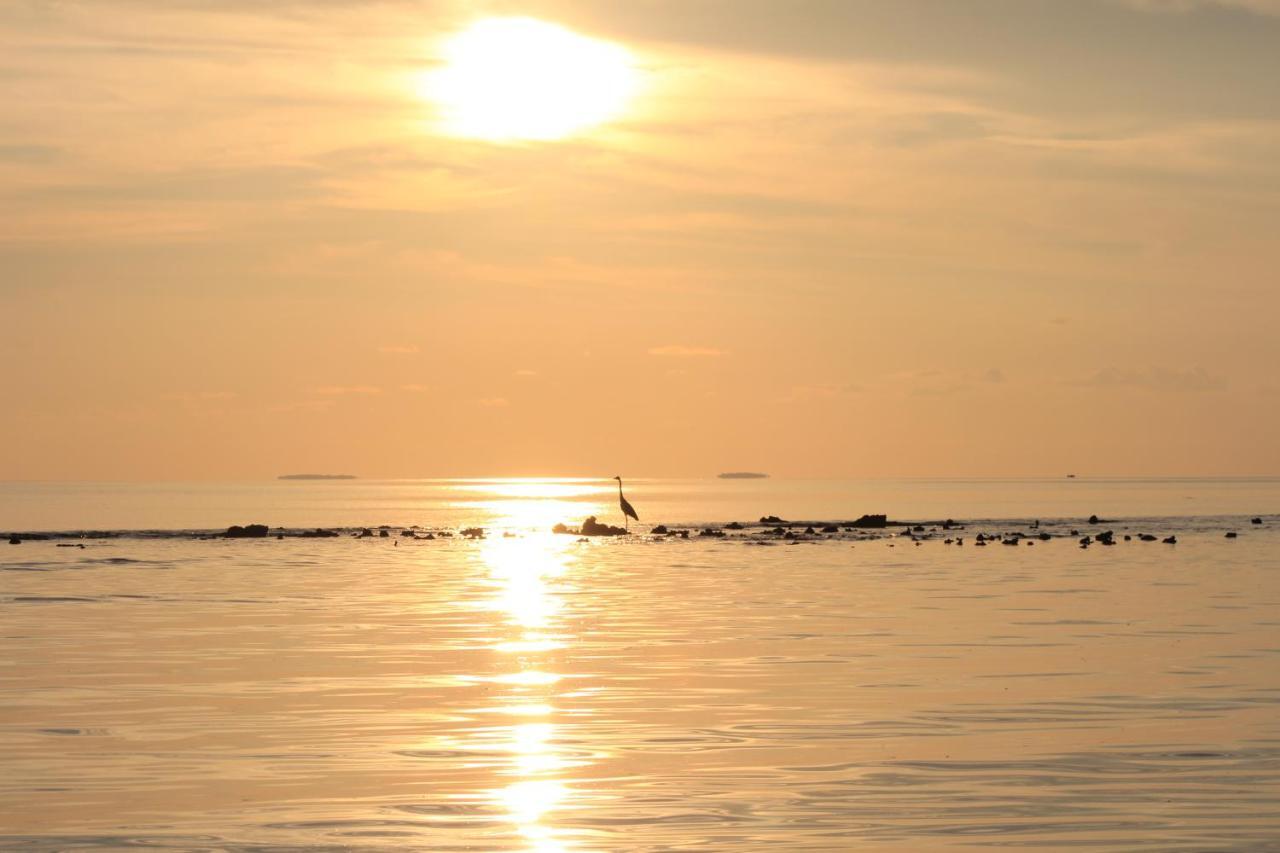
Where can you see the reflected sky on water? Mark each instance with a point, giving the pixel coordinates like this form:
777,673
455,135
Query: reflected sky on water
532,692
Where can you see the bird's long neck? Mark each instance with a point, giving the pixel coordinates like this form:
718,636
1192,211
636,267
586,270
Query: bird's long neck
619,487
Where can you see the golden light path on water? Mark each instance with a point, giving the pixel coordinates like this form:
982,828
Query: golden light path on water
525,506
542,489
527,571
525,574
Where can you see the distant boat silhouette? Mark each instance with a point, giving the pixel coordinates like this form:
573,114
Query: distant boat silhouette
743,475
1071,476
628,511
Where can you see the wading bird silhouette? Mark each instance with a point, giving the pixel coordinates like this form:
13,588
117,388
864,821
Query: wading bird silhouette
628,511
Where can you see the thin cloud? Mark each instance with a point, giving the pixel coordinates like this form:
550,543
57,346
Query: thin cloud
931,382
681,351
526,373
303,406
1195,379
29,153
399,349
199,396
1261,7
820,392
415,388
344,390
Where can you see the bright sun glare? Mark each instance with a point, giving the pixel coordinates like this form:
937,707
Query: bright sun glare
511,79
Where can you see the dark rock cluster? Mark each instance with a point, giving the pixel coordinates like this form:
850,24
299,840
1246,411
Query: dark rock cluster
590,527
249,531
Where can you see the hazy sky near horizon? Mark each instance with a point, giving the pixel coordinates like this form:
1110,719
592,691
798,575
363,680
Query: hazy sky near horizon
827,238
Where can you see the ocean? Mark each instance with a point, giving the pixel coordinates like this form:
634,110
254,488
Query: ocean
888,689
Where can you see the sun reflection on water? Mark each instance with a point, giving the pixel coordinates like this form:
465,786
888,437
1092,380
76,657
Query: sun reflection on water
528,506
516,488
529,576
527,515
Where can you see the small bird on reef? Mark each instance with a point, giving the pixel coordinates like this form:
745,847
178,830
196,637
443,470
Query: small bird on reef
628,511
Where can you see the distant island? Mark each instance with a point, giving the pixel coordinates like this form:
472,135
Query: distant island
316,477
743,475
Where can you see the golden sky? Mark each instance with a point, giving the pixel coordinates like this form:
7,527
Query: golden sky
820,238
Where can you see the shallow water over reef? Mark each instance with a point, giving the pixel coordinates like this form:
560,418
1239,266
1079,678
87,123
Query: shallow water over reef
539,693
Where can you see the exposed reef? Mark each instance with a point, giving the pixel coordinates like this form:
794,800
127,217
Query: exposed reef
771,529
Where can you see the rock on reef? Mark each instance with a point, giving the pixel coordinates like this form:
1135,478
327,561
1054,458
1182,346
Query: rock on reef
249,531
591,527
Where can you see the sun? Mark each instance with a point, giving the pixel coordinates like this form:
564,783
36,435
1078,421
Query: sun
514,79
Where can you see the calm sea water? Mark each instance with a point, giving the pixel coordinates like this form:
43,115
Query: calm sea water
534,692
538,503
